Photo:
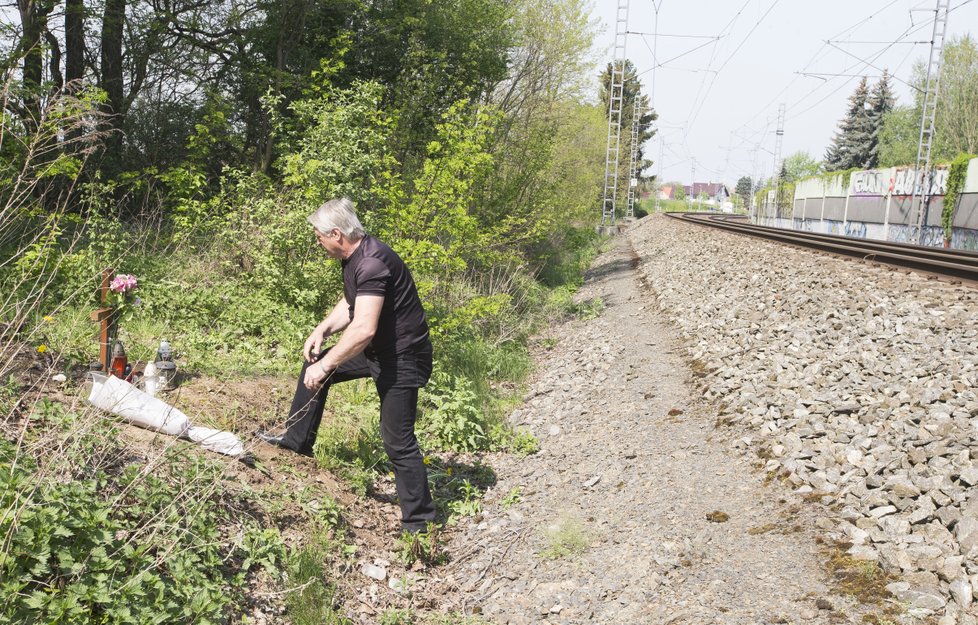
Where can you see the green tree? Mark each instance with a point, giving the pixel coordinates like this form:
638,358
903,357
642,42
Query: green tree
744,188
956,123
881,102
800,165
898,137
851,144
631,92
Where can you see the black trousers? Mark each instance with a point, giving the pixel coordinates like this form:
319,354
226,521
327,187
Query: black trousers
397,380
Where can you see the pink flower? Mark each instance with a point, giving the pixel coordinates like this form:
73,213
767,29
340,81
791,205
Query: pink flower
123,283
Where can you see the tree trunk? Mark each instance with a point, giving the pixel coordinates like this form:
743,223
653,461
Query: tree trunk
113,26
32,20
74,43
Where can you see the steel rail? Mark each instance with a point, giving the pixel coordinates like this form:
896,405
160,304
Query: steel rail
947,262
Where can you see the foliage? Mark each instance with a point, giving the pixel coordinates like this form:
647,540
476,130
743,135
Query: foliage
856,144
631,97
898,138
422,546
311,600
121,547
957,172
801,165
452,419
956,123
745,187
396,617
512,498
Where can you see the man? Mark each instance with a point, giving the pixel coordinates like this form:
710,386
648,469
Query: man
385,337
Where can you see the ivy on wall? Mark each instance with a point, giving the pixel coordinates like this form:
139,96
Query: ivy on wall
957,172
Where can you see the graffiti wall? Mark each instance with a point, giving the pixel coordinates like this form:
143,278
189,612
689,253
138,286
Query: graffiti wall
876,204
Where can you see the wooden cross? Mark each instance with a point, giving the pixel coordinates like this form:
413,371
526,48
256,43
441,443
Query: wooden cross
104,317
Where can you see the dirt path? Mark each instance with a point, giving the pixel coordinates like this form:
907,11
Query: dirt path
611,524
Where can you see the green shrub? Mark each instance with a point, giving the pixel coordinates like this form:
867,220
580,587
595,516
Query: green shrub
121,546
452,419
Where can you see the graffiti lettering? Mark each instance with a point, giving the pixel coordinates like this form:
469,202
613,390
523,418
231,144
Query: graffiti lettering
905,179
867,183
900,183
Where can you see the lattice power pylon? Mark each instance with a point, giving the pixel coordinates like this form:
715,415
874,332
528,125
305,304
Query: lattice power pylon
616,97
633,163
778,140
923,176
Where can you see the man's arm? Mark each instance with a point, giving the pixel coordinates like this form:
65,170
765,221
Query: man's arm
355,338
335,321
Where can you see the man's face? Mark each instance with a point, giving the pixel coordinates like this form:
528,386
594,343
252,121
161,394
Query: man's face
330,242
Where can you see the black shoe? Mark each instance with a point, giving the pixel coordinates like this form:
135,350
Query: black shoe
278,441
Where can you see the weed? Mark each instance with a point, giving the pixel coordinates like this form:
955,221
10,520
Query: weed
567,537
762,529
814,496
512,498
311,601
422,547
396,617
326,511
453,420
590,309
455,619
864,580
469,502
518,441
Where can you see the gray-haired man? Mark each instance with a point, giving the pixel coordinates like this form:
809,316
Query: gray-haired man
385,337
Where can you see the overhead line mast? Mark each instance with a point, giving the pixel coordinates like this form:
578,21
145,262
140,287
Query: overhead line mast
778,140
633,163
924,177
616,97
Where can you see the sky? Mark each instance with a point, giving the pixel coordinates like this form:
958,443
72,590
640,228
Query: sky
724,67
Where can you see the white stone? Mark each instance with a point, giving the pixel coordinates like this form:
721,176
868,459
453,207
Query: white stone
962,592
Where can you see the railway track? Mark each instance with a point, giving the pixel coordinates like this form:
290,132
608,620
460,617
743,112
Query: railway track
939,261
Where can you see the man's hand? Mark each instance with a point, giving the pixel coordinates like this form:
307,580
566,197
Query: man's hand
316,374
314,344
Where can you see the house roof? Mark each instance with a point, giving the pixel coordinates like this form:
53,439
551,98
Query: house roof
710,189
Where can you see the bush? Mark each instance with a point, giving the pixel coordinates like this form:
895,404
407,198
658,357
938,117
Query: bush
452,419
123,547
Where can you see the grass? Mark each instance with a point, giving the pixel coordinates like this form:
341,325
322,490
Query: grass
568,537
864,580
312,601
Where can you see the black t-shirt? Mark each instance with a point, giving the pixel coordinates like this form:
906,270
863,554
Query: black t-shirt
375,269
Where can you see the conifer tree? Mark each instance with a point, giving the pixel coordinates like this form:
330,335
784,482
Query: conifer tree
881,102
851,145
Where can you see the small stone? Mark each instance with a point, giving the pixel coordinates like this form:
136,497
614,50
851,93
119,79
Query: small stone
882,511
556,609
824,604
970,476
60,378
864,553
591,482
